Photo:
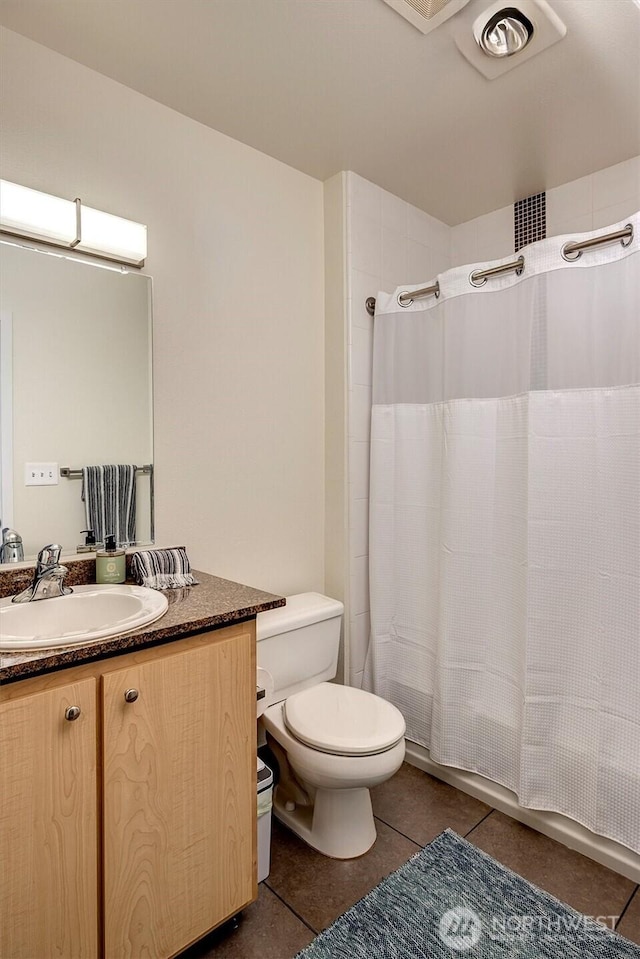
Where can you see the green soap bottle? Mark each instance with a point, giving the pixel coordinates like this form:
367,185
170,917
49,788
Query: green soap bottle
111,565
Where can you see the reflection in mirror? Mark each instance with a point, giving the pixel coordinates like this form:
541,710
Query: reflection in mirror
75,390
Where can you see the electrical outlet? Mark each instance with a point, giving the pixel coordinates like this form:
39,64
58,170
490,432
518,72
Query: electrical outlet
41,474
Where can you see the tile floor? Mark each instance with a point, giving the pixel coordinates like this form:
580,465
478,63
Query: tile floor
305,891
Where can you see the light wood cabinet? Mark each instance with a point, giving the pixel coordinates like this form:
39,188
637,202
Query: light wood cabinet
48,824
156,781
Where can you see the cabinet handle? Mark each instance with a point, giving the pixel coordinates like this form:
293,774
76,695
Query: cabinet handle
71,713
131,695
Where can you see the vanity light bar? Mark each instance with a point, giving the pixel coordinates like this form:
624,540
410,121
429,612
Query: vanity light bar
33,215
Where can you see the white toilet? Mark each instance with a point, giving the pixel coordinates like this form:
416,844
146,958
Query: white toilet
339,741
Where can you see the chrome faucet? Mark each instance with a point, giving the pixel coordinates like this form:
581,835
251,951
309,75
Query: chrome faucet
11,550
48,577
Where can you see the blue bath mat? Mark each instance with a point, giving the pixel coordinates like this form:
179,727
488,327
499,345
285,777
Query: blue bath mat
452,900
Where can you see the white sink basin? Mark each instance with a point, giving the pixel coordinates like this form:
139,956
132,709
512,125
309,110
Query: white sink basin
86,614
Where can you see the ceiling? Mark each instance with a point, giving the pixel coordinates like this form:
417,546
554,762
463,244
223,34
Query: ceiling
329,85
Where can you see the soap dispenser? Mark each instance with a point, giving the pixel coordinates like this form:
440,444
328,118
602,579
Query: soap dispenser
111,566
89,545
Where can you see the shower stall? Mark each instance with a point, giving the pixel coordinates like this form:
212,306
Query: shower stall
504,518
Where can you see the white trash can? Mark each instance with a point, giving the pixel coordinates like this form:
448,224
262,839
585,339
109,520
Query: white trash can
265,802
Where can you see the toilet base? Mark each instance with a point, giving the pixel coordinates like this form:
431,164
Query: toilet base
339,824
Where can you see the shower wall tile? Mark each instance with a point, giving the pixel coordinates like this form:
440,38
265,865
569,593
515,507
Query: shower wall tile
589,203
359,586
364,197
358,470
394,213
360,418
424,263
365,243
440,261
613,214
360,628
488,237
619,184
359,526
496,234
465,242
582,223
361,356
362,285
426,229
394,258
420,266
569,202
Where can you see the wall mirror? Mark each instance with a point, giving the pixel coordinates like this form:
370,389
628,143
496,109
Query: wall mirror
75,389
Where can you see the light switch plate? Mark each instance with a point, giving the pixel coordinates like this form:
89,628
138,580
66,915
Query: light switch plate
41,474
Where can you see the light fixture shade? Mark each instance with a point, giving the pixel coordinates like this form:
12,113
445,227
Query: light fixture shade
67,223
26,212
112,236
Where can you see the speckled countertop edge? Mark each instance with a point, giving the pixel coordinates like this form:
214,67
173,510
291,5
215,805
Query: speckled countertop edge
193,609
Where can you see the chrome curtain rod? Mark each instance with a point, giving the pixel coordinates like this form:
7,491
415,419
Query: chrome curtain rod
77,474
570,252
408,298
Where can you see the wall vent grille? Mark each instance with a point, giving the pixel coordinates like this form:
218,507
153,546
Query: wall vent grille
426,15
529,220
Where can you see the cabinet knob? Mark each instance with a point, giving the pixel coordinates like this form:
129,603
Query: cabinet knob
71,713
131,695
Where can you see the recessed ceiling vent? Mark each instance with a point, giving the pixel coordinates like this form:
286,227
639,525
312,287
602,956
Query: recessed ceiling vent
426,15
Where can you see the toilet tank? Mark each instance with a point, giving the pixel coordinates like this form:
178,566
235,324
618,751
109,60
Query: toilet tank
297,645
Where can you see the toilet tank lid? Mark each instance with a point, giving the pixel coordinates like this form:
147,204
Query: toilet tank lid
303,609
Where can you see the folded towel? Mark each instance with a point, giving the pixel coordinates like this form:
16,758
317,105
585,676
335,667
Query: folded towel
162,568
109,495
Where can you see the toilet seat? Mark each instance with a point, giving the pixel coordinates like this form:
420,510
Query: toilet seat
343,721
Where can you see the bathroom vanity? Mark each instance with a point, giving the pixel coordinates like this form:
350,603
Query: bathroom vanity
128,816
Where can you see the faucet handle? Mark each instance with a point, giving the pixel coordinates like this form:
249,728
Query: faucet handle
49,555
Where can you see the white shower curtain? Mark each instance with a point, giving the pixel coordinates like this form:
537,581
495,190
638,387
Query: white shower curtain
505,527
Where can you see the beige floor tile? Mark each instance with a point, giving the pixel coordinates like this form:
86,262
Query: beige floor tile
629,925
267,930
581,883
320,889
422,807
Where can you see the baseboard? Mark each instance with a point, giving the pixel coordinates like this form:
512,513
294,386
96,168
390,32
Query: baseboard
564,830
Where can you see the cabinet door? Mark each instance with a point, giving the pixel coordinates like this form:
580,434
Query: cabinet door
48,825
179,795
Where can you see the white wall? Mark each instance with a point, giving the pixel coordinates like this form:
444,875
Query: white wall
388,242
236,253
580,206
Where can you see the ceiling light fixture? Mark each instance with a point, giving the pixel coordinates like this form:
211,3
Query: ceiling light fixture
490,39
507,32
33,215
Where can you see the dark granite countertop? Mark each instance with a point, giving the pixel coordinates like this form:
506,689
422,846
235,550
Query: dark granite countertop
193,609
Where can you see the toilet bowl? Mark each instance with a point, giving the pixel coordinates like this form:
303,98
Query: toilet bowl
334,742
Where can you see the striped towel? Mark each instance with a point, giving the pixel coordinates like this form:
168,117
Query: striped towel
109,496
162,568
